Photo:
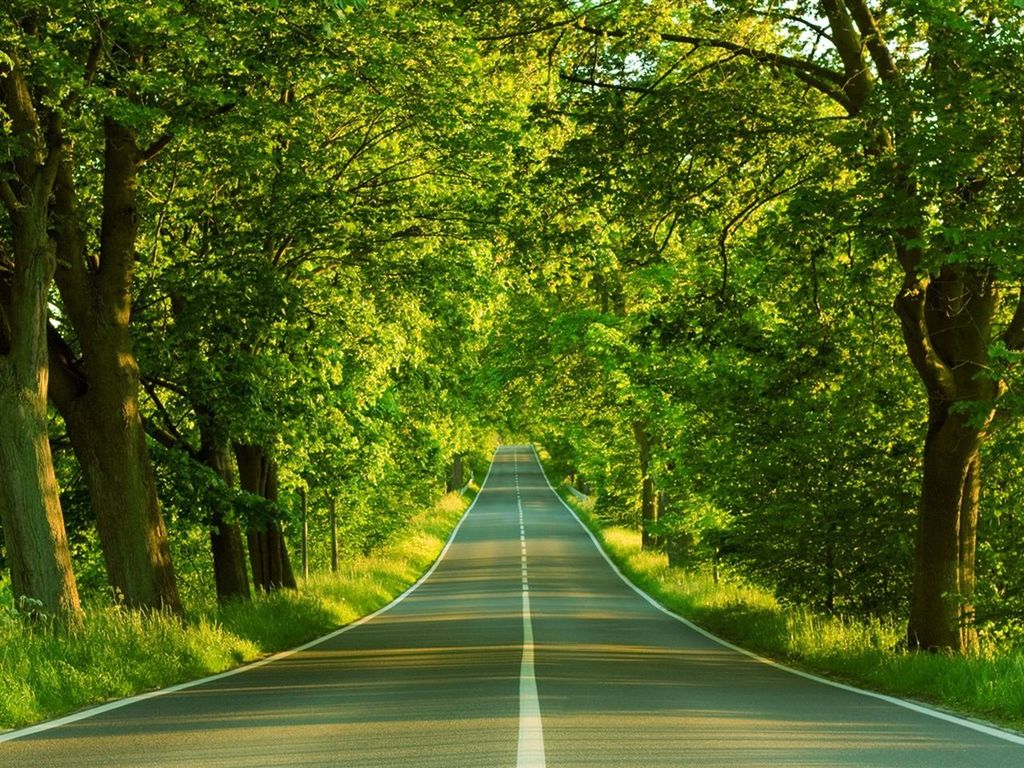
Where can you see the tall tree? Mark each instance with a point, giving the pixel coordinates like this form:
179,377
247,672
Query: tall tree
155,79
30,509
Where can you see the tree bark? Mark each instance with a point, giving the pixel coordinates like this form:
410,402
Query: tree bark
268,555
108,439
30,510
947,322
98,395
334,536
942,611
229,553
305,531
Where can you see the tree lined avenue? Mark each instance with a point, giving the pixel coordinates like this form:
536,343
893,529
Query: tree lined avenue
435,680
276,278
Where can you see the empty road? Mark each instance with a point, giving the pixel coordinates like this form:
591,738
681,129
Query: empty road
523,648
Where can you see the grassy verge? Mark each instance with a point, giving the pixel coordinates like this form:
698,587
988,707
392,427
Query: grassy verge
46,672
989,685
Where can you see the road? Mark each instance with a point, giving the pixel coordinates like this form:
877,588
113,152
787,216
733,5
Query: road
523,648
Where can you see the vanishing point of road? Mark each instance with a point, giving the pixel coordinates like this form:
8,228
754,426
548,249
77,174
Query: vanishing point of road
523,648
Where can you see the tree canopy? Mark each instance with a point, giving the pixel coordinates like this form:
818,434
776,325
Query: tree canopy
750,271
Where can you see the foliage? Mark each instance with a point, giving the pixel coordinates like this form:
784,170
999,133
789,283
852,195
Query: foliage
664,239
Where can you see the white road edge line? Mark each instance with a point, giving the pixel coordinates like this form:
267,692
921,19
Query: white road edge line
988,730
530,752
85,714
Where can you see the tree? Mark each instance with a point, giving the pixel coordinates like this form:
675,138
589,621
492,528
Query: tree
30,511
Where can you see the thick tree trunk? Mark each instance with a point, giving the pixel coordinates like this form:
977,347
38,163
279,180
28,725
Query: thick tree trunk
98,396
648,499
947,322
30,511
942,611
268,555
229,552
108,439
33,523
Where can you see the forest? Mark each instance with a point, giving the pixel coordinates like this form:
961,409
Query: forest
279,272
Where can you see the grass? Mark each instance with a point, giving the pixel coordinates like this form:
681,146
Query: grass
866,653
46,671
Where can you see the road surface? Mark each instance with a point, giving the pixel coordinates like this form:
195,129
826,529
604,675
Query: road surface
523,648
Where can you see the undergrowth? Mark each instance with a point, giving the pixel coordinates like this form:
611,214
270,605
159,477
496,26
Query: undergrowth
46,671
865,653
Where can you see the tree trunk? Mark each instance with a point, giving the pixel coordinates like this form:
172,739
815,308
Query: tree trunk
268,556
229,570
281,572
947,322
98,395
942,612
648,501
108,439
305,531
30,511
457,479
334,536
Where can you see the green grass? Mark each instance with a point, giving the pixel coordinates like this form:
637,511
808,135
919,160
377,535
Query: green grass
46,671
988,685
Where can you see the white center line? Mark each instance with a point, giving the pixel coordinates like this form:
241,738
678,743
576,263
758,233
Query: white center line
531,732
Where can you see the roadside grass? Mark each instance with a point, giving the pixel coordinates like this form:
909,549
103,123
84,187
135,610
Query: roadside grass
47,671
988,685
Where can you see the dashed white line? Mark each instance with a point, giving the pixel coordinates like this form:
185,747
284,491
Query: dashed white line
530,753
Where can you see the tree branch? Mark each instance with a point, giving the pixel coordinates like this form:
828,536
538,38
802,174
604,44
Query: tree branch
168,385
528,32
1013,336
155,148
562,24
168,435
54,157
909,304
10,200
67,382
857,79
18,104
161,142
737,221
821,78
611,86
73,278
92,62
872,36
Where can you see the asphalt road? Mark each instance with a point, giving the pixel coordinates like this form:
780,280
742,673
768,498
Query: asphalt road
522,648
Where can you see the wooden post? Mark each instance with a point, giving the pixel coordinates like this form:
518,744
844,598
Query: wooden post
305,533
334,536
